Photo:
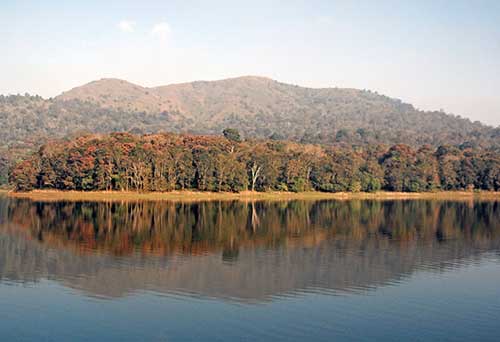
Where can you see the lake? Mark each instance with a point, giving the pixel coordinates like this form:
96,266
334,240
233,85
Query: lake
258,271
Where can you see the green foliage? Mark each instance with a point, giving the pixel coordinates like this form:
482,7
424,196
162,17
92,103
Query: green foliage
282,187
355,186
298,185
414,186
372,185
4,168
232,134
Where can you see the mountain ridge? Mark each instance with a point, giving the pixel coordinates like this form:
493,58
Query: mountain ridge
258,106
233,101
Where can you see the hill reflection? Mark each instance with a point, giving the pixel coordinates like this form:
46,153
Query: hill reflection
236,250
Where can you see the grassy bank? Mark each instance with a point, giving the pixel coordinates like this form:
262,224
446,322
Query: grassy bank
53,195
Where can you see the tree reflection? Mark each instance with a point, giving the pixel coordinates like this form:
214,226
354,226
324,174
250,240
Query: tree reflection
163,228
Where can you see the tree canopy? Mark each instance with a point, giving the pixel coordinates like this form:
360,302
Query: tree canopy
166,162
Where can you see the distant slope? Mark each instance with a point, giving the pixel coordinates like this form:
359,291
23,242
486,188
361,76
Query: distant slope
261,107
117,94
257,106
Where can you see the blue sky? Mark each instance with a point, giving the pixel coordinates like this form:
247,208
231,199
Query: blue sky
434,54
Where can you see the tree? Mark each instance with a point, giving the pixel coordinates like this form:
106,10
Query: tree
4,169
449,162
398,164
232,134
24,175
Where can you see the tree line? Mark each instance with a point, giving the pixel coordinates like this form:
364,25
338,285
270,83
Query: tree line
167,162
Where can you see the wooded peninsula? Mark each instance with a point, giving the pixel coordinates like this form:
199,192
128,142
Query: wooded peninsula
166,162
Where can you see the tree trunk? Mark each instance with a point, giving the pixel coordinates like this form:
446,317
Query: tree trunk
255,174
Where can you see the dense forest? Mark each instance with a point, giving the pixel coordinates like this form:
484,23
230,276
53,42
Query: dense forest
258,107
166,162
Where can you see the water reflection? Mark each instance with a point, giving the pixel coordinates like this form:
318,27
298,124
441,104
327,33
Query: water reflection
247,252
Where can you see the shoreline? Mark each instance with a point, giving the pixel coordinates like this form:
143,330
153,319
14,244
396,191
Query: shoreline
190,196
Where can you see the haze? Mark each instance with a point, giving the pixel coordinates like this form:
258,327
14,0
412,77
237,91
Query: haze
433,54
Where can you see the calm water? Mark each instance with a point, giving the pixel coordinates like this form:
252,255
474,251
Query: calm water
300,270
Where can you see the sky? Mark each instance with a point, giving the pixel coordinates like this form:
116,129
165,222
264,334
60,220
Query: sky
433,54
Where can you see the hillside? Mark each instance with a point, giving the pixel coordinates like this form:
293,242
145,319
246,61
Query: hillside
259,107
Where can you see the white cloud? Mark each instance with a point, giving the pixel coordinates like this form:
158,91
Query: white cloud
161,30
126,26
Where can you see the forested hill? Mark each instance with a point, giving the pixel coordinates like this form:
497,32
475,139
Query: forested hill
165,162
258,107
